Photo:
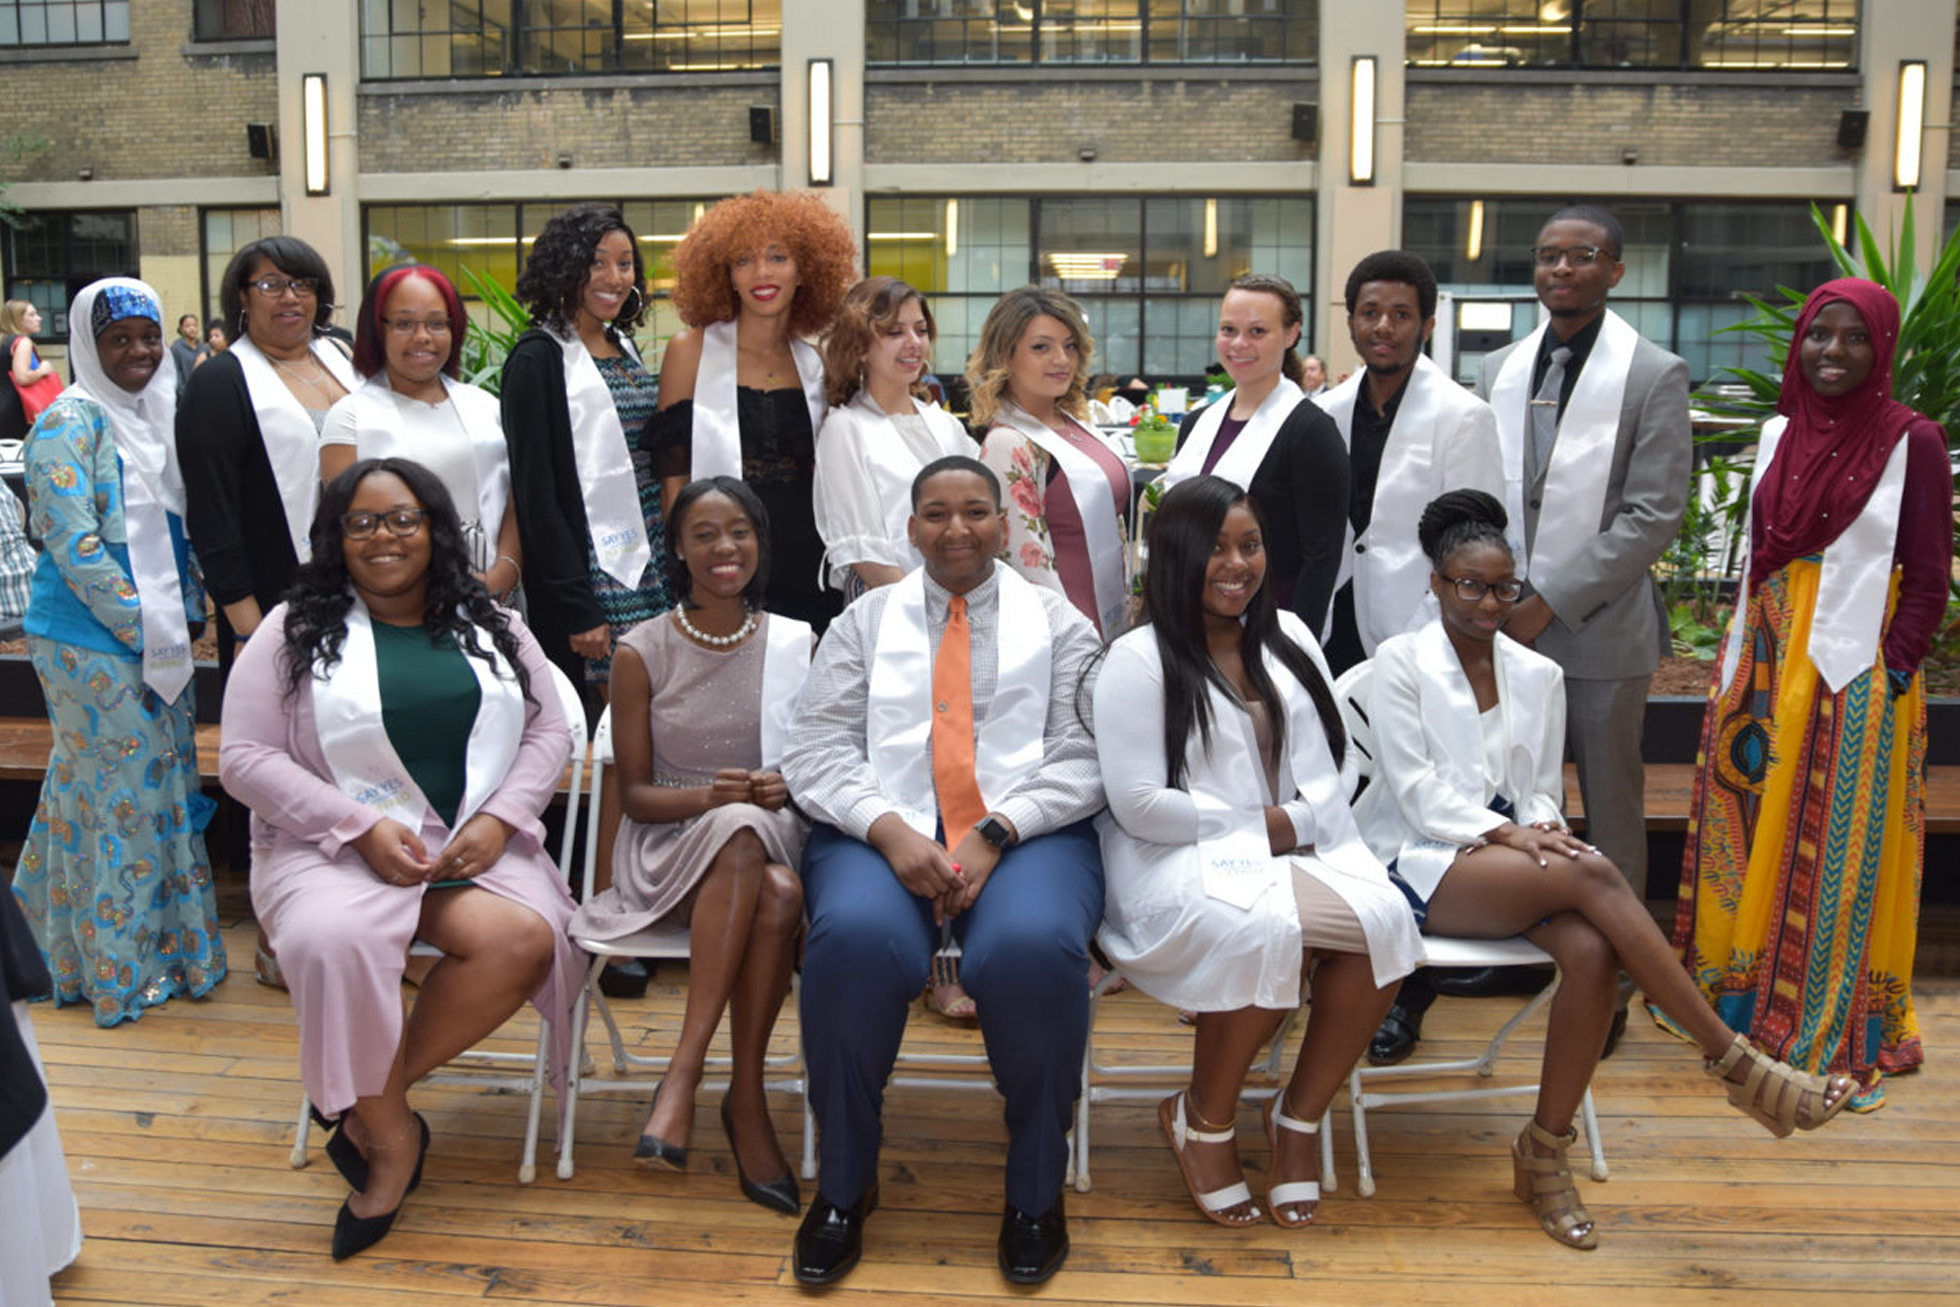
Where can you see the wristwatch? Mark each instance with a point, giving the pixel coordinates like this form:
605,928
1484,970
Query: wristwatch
995,831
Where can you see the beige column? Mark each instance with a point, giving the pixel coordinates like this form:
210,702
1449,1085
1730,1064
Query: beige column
1354,221
323,38
1896,31
833,30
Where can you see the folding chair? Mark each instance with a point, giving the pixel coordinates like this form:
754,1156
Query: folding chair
1351,692
661,941
468,1069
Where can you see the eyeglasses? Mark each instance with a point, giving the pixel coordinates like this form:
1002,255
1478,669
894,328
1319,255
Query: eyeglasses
1472,589
273,287
399,521
1582,256
405,327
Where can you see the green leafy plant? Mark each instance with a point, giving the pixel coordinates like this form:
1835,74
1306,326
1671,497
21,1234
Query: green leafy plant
486,346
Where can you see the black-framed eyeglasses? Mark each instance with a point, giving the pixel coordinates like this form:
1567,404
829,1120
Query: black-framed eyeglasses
409,326
273,287
1471,589
1582,256
399,521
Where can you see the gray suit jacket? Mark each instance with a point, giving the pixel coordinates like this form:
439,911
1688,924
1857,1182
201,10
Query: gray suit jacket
1610,621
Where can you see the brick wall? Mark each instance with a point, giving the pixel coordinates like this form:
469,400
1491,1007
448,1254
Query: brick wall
649,125
161,114
1589,123
1129,120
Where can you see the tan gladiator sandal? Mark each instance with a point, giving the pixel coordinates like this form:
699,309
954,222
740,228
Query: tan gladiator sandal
1775,1093
1546,1183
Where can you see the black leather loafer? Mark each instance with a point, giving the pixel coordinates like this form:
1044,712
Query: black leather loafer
831,1238
1613,1034
624,978
1396,1038
1033,1248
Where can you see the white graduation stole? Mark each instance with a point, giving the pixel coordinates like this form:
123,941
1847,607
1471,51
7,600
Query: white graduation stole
292,442
717,432
1011,738
365,766
785,664
606,483
1089,486
153,566
1853,583
1574,496
1242,460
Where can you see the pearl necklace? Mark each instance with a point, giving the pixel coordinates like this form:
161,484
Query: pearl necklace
741,633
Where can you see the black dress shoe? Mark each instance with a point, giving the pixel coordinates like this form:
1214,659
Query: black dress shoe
1033,1248
1613,1033
831,1238
656,1153
624,978
1396,1039
1487,982
353,1167
778,1195
353,1234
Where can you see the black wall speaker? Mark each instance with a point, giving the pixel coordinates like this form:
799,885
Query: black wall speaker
1851,128
259,139
762,125
1306,122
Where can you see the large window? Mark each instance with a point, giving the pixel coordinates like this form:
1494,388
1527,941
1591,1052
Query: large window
1708,34
63,22
233,20
1148,272
1091,31
51,255
493,240
495,38
1688,267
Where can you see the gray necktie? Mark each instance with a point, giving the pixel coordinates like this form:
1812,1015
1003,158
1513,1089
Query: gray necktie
1544,414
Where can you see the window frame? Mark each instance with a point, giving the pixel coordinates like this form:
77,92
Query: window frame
516,54
1295,29
11,19
1590,45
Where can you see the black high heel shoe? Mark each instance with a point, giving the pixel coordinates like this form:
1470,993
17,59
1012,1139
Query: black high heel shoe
353,1167
656,1153
353,1234
778,1195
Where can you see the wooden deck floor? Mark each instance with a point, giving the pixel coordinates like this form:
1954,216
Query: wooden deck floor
177,1131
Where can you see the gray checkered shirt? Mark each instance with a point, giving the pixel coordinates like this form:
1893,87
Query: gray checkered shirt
825,759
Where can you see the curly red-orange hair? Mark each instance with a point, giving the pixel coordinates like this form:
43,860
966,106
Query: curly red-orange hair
826,257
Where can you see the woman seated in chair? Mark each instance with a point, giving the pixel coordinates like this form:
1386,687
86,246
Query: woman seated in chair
1467,800
701,701
1230,855
397,736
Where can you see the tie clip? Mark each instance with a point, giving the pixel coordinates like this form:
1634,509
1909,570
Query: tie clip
1544,403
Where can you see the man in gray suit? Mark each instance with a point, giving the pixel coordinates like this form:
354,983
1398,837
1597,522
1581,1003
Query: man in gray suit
1597,418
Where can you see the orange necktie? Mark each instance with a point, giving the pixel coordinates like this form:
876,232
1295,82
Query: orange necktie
960,804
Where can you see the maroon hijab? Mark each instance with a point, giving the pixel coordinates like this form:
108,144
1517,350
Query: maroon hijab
1830,456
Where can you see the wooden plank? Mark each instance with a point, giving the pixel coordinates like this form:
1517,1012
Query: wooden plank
178,1127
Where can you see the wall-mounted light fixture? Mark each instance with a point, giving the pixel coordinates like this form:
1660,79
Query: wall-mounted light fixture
1840,220
952,228
1361,120
313,131
822,172
1912,124
1211,229
1473,243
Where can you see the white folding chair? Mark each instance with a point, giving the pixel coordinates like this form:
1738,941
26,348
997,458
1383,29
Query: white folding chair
662,941
468,1068
1351,691
1096,1086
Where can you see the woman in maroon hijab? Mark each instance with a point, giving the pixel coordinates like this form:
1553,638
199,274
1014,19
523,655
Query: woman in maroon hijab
1800,889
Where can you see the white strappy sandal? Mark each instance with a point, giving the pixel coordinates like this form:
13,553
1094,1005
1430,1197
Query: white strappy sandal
1217,1205
1281,1196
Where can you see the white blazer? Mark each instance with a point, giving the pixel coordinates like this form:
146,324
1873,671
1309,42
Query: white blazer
863,489
1179,944
1427,801
1443,438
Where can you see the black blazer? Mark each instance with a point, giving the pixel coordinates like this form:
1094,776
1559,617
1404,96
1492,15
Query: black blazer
236,520
23,1094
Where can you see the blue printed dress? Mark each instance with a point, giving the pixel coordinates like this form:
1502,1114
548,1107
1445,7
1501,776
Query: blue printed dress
114,877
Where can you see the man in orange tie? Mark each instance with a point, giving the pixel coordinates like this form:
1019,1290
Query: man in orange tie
938,751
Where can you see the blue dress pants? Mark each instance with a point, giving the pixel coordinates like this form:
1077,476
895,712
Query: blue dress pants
1025,961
